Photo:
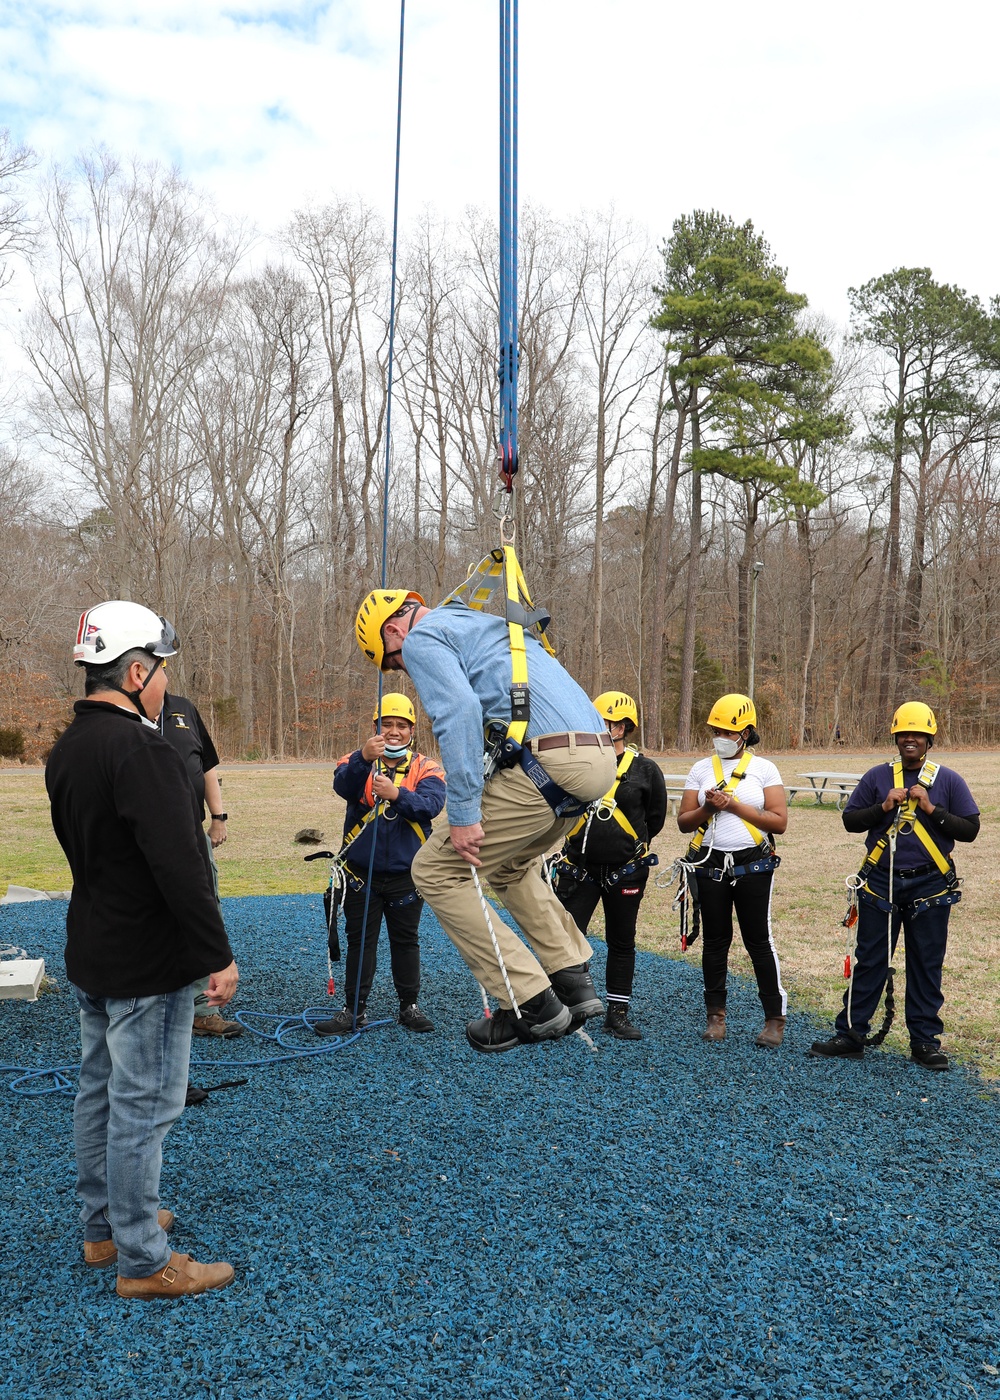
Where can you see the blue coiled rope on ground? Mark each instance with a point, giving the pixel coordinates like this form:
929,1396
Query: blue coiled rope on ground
31,1082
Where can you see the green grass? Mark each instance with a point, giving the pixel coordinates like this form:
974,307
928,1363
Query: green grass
269,803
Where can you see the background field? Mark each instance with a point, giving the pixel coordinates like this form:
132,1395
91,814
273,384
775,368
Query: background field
269,803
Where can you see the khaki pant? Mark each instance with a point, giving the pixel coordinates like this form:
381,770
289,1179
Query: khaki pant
519,827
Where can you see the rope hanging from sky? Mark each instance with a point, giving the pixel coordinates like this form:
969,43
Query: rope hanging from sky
508,358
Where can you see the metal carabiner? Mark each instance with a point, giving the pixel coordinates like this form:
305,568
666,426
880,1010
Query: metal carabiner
503,509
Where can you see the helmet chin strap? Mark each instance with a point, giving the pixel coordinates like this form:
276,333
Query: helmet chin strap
136,695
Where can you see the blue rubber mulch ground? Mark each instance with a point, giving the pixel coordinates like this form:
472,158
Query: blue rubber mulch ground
408,1218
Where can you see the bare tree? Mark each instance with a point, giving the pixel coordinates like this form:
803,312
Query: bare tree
16,228
127,311
621,358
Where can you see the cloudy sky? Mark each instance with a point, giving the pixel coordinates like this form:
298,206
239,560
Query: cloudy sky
858,136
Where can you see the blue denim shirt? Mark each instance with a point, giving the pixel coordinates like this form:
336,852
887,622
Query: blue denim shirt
459,661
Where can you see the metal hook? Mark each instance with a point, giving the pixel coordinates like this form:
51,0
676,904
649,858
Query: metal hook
503,509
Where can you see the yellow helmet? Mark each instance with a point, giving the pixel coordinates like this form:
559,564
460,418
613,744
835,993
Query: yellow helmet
395,706
914,718
373,614
616,706
732,712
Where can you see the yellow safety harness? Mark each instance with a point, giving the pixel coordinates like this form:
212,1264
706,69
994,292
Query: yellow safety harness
907,818
521,613
728,786
607,808
910,818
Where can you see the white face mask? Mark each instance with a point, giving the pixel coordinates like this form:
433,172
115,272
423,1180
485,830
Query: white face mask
726,748
397,752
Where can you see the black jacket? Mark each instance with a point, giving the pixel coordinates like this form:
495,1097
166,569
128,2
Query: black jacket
142,917
642,798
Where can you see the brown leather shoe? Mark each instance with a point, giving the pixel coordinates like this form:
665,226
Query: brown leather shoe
98,1254
772,1034
715,1028
215,1025
179,1278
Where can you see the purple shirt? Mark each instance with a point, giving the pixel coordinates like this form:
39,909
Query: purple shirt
948,790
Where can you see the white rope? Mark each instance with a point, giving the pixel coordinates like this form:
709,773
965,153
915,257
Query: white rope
493,939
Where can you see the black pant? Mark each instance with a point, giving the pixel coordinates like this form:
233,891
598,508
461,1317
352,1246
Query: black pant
401,921
750,897
925,936
621,910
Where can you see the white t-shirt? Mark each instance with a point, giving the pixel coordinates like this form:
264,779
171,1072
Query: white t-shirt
729,833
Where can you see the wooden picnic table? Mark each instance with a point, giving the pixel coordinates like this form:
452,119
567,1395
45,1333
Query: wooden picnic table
839,785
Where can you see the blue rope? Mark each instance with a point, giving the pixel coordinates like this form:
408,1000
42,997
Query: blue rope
385,483
507,367
271,1027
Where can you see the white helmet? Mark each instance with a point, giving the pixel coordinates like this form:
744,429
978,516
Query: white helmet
111,629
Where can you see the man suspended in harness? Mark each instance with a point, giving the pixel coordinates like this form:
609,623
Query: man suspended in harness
386,769
733,806
913,811
552,756
606,858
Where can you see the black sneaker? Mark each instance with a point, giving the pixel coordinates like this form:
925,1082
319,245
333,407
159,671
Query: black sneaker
414,1019
617,1023
543,1017
843,1047
929,1055
575,988
342,1023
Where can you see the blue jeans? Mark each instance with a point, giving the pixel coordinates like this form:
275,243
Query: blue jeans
133,1081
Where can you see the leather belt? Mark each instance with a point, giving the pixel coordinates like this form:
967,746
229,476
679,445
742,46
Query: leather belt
562,741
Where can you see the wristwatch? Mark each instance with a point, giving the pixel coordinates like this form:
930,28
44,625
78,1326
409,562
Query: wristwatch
219,816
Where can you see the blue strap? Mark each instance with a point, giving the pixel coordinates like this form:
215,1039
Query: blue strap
752,867
624,871
564,804
402,901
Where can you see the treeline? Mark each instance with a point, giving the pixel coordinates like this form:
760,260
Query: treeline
198,421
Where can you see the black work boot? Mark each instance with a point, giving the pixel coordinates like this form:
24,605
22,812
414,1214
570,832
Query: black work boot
841,1047
929,1054
617,1023
575,988
543,1017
